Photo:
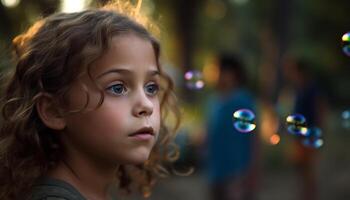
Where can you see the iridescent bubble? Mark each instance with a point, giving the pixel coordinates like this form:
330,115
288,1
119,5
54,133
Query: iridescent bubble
244,120
194,80
346,43
296,125
313,139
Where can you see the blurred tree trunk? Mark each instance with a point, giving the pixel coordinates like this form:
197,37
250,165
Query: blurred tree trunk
186,18
185,12
6,28
282,22
47,7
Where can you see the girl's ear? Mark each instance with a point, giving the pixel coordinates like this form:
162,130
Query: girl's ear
49,113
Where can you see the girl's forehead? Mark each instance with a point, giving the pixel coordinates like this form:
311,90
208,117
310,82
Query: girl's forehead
128,40
127,51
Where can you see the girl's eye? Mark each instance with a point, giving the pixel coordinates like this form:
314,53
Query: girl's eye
117,89
152,89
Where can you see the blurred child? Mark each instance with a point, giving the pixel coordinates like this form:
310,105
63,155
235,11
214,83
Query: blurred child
309,101
232,155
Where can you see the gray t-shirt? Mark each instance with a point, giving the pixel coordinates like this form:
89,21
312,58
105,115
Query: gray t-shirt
48,188
54,189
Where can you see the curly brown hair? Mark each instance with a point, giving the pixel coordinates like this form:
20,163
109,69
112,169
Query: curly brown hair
50,56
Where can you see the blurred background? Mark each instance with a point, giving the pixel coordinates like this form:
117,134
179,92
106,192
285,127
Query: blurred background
294,58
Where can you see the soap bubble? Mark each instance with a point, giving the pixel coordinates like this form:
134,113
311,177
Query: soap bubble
244,120
296,125
194,80
346,43
313,139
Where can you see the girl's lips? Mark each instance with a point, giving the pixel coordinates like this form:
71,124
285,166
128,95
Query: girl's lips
145,133
142,136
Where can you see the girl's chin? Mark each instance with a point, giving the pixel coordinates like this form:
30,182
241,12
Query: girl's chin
138,157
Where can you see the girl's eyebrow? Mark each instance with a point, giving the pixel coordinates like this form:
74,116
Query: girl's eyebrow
127,72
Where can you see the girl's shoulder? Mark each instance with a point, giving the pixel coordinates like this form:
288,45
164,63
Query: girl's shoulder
54,189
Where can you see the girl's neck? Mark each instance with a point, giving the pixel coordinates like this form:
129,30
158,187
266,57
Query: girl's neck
92,181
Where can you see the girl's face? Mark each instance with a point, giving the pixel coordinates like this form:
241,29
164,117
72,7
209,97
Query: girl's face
125,127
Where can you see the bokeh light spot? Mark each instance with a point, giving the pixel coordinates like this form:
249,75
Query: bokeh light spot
10,3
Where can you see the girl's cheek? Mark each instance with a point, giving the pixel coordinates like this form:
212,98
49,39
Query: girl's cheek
158,117
114,112
78,98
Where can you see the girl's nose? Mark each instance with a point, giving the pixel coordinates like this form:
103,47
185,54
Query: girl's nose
143,106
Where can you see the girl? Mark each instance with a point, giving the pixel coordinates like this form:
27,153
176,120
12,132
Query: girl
85,109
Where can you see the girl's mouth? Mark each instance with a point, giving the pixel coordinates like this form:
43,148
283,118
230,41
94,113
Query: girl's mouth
145,133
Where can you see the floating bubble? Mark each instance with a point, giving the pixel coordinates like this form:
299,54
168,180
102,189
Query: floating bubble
346,43
194,80
244,120
313,139
296,125
317,143
296,118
